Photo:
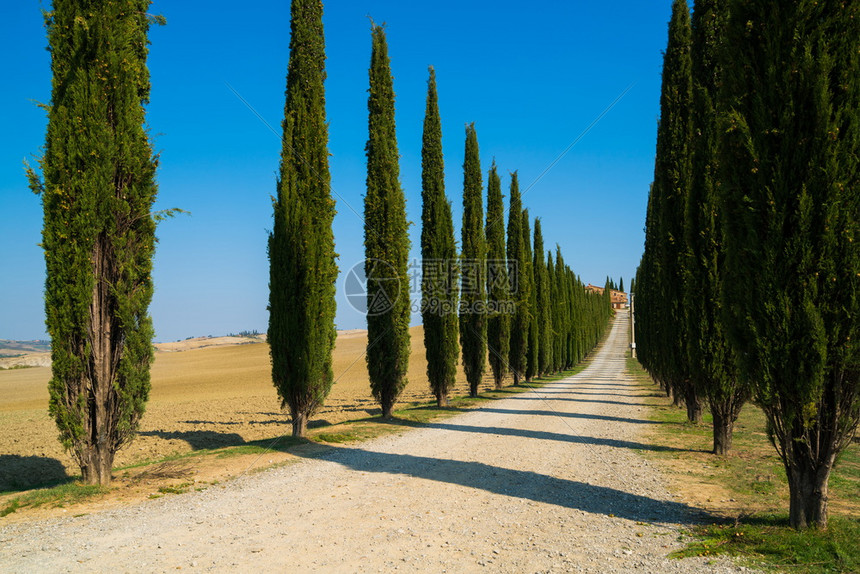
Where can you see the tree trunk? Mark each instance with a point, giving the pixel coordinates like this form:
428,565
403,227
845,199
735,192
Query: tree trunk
300,423
693,402
808,495
723,427
516,378
99,447
98,465
441,401
387,409
725,412
473,390
673,393
497,380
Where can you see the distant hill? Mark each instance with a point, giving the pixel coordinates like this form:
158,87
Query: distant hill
15,348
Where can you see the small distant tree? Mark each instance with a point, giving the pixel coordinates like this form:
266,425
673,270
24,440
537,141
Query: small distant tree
302,267
498,293
473,318
439,287
97,188
386,242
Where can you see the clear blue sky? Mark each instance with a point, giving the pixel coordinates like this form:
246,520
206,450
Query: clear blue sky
532,76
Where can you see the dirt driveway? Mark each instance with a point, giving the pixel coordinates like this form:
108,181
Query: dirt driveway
547,481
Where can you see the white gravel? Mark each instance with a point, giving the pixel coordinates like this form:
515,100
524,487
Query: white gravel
547,481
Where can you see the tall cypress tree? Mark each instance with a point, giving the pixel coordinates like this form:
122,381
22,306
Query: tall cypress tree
788,167
563,326
532,344
665,246
98,187
552,288
498,292
386,242
302,267
473,323
517,271
712,366
542,311
439,289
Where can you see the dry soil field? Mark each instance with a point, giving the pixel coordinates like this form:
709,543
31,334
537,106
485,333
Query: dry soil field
204,397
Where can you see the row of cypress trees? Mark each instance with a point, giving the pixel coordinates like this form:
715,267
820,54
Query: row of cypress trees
748,286
98,187
476,303
499,296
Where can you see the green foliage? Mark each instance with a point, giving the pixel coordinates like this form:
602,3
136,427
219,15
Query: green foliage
661,325
439,288
712,365
542,304
498,283
97,188
518,274
532,343
386,242
788,167
303,270
473,316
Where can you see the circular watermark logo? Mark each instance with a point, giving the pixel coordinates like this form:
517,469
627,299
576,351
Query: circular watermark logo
372,287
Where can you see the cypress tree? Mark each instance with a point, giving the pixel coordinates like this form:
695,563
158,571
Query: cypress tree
621,285
439,289
666,247
552,327
788,168
97,189
563,324
498,292
517,271
302,267
473,318
386,243
532,344
542,311
712,369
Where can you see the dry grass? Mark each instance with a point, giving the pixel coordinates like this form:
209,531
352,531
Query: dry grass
201,399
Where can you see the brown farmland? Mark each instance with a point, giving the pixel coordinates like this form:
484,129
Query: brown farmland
201,398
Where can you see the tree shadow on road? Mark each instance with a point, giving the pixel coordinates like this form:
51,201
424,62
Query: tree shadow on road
607,402
522,484
544,435
562,414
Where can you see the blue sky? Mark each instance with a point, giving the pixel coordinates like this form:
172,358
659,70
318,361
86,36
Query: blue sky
532,76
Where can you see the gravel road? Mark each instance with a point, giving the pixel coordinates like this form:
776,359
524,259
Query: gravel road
548,481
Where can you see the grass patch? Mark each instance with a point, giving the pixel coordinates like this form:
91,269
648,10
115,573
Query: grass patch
180,488
747,490
768,539
55,497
